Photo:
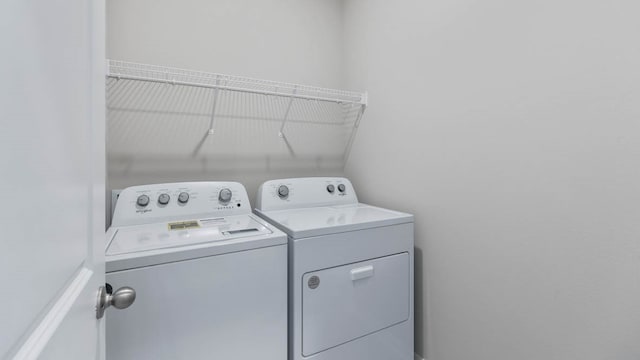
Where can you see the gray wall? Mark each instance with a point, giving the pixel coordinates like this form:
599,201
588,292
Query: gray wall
295,41
511,129
298,41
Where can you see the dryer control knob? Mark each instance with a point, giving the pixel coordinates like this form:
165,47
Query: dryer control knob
283,191
331,188
341,188
224,195
183,198
163,199
143,200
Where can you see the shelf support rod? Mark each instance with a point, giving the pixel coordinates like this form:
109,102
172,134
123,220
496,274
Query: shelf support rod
213,107
286,114
347,150
284,121
211,130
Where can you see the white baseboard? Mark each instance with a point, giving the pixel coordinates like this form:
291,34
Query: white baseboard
417,357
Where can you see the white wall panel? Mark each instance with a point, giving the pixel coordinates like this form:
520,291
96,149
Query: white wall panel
510,129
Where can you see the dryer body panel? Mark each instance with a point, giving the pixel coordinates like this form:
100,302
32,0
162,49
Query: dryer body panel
347,302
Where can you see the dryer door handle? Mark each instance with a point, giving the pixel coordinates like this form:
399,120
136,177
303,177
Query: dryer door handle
362,272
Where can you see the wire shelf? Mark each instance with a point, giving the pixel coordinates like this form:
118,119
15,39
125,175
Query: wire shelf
161,111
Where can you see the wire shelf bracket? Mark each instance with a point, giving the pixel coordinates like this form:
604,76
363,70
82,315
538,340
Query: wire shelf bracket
286,115
213,107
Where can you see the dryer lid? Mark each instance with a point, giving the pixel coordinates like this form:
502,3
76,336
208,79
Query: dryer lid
323,220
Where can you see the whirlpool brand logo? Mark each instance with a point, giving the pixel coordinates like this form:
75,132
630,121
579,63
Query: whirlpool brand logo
142,211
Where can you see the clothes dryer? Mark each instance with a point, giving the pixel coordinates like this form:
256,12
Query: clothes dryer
350,271
210,277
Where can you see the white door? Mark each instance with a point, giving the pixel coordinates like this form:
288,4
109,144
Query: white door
52,172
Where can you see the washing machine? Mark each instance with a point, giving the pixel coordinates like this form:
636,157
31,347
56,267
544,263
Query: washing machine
210,277
350,271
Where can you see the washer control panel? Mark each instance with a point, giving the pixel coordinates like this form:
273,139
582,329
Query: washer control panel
305,192
146,204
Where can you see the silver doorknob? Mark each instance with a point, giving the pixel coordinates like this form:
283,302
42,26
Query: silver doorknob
121,299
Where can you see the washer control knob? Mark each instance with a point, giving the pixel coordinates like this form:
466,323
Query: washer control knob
283,191
143,200
183,197
341,188
331,188
163,199
224,195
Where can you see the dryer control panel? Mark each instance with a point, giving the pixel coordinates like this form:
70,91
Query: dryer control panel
305,192
154,203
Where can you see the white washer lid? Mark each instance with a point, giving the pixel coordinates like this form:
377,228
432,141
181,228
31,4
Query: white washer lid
150,244
323,220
